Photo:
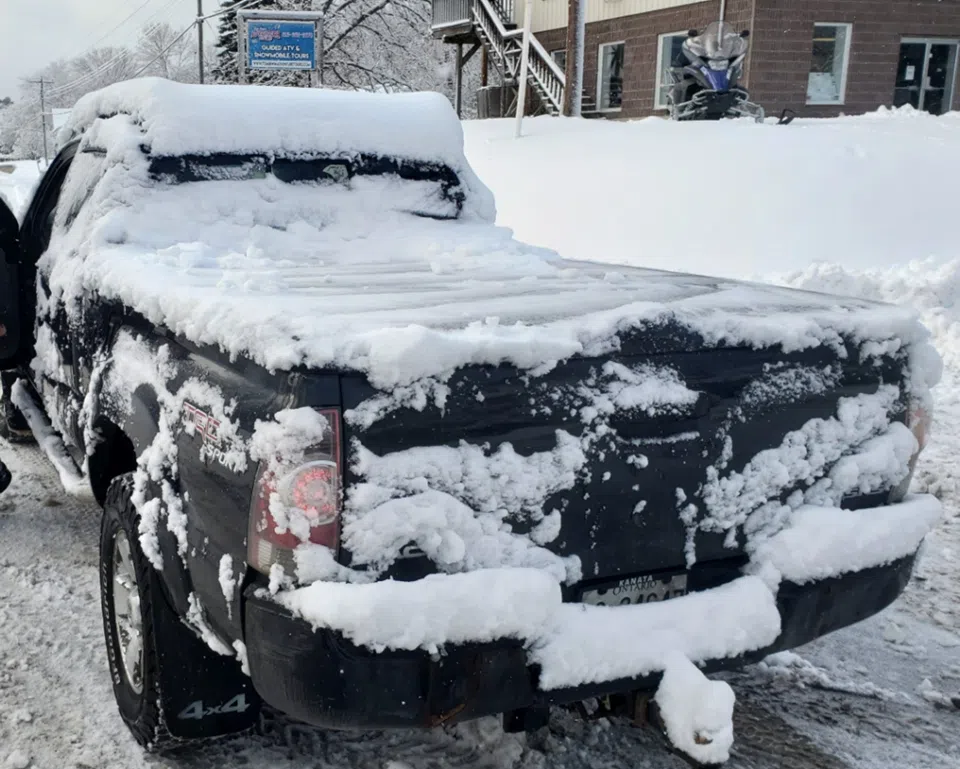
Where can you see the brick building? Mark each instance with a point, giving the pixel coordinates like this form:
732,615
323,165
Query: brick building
817,57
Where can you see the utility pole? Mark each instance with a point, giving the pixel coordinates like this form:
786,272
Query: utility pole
43,115
200,38
573,72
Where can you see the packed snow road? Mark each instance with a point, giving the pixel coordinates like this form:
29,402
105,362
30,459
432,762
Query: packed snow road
874,696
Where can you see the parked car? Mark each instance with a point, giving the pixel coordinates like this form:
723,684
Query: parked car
365,457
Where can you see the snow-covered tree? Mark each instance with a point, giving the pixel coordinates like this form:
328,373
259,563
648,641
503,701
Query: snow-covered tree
367,45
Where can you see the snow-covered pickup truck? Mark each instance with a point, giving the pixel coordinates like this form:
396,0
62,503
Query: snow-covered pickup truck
367,458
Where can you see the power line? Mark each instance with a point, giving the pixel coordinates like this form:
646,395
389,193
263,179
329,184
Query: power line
153,15
93,74
160,55
126,19
89,76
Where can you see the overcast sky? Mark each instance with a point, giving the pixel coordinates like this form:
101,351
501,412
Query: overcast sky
36,32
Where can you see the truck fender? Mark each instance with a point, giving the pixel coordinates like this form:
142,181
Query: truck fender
141,424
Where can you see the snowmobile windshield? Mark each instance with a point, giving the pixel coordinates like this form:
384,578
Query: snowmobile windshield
718,41
447,191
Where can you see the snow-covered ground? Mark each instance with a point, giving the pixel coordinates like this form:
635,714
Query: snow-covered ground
864,195
17,185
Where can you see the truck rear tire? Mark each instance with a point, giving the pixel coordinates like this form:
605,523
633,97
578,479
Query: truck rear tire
127,620
171,688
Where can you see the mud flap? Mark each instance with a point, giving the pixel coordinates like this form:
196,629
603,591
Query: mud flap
203,693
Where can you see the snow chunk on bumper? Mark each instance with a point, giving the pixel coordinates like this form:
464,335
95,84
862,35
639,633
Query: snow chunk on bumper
575,644
590,644
477,606
824,542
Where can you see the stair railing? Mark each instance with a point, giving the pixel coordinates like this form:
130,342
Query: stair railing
544,73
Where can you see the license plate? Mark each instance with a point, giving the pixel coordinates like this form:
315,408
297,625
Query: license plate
644,589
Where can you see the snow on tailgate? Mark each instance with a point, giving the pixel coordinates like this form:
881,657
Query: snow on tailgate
343,275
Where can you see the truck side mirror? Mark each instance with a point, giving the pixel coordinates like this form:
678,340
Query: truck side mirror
9,284
693,32
745,34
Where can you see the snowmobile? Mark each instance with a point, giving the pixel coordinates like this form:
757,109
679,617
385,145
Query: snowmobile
704,79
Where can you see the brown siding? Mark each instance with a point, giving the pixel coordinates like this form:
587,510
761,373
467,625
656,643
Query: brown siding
782,48
640,33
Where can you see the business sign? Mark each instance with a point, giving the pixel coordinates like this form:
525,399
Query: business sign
281,45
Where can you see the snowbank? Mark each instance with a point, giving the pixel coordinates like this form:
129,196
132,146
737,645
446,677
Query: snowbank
735,198
16,188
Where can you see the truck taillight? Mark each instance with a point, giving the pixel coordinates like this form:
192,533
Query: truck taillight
297,504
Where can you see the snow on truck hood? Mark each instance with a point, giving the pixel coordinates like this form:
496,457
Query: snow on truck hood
337,276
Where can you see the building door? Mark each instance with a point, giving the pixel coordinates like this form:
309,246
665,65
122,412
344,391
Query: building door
926,74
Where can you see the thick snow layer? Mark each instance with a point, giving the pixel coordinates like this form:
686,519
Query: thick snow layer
587,644
179,119
697,712
823,542
733,198
573,643
328,275
479,606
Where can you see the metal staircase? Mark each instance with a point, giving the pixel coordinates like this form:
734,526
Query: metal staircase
505,46
490,24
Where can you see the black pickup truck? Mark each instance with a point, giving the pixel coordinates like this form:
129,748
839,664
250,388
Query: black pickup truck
364,457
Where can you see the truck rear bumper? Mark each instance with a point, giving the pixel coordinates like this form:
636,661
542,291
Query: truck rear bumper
321,678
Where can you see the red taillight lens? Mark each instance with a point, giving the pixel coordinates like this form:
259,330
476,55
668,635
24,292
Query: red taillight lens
293,505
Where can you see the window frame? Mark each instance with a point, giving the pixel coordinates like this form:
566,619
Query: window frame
553,55
660,72
848,44
599,91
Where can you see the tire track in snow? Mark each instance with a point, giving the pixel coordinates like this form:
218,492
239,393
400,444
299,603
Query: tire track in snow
56,704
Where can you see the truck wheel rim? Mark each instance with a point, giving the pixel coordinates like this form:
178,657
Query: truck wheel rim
127,620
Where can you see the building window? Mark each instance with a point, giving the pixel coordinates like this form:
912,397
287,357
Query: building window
669,51
560,57
827,83
610,76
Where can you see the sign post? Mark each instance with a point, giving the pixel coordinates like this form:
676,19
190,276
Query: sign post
524,67
281,41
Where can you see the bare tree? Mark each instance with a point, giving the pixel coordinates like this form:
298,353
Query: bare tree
164,55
